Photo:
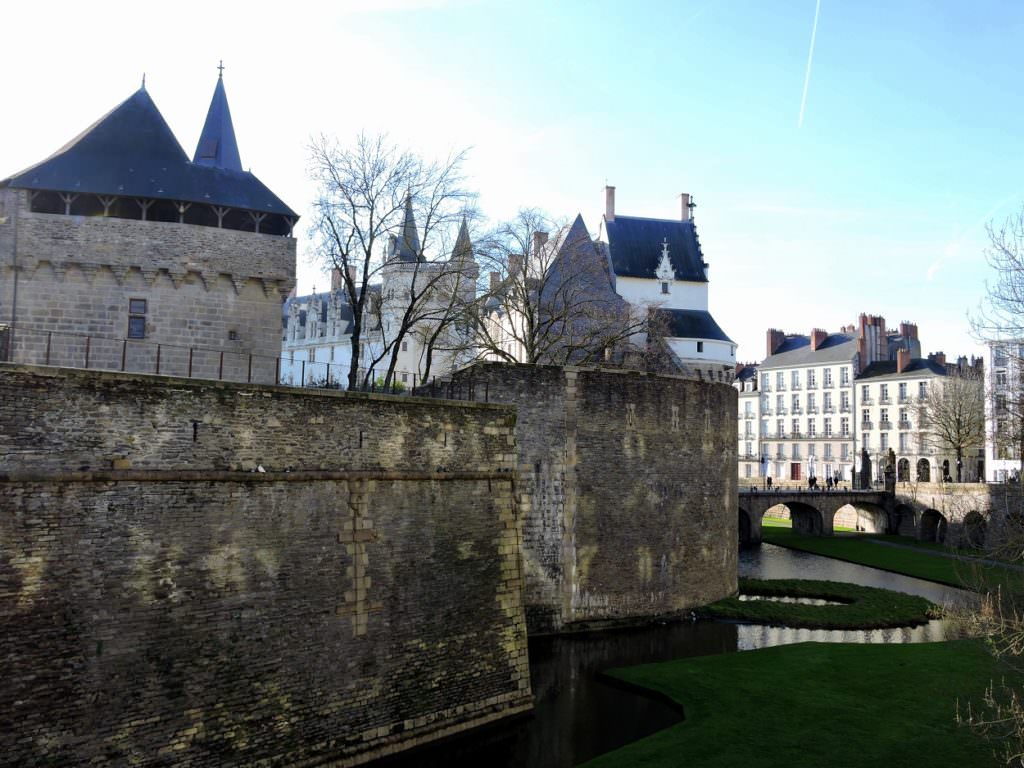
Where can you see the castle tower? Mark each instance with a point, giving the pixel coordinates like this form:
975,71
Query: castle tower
119,252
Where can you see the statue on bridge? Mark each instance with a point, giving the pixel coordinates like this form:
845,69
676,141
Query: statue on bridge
890,472
865,470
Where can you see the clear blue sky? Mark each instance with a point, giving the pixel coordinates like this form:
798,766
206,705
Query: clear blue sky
876,203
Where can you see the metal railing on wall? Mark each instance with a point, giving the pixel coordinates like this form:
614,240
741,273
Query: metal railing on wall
24,344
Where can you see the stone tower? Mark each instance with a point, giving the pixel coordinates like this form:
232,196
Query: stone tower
118,251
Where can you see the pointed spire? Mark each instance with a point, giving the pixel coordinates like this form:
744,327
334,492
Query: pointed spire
217,146
463,250
407,245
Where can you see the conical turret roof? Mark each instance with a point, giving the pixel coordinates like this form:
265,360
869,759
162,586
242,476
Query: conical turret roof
463,250
217,146
407,244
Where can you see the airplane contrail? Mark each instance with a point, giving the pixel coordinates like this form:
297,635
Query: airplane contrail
810,57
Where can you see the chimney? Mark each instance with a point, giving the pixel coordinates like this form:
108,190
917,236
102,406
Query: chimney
335,279
775,340
515,264
684,205
938,357
353,274
818,337
609,203
908,330
495,280
902,359
539,239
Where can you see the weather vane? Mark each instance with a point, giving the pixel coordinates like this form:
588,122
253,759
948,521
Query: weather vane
220,68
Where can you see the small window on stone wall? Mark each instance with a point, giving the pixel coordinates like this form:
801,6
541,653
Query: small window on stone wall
700,346
136,318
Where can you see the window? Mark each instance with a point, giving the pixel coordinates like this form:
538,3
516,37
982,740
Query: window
884,392
883,416
405,378
136,318
664,287
796,450
865,416
1001,378
826,427
764,382
811,450
885,441
746,467
1000,403
844,451
700,346
903,417
811,381
922,389
865,393
828,450
904,444
812,401
780,380
405,346
844,427
903,390
827,401
795,379
844,400
827,376
796,403
796,426
780,428
999,356
780,403
764,429
844,376
811,428
747,409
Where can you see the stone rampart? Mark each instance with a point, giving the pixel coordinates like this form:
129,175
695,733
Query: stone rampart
627,491
216,575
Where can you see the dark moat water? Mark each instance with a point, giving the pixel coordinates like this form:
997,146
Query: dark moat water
579,715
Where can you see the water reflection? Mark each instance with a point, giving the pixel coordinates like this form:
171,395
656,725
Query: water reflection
579,715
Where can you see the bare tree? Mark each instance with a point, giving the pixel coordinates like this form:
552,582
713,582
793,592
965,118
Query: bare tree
366,196
953,417
549,297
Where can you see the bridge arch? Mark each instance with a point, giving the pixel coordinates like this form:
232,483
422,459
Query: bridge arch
744,528
974,529
807,519
933,526
905,520
862,516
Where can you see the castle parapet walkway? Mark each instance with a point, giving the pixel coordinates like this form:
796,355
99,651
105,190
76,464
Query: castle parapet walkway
813,512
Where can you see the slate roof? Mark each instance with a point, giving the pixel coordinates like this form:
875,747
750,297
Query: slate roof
796,350
406,247
636,245
217,146
916,367
132,152
690,324
318,302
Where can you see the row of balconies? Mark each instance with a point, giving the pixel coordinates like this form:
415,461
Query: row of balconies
791,435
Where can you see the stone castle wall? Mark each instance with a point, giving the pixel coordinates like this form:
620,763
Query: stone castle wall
207,575
627,490
202,285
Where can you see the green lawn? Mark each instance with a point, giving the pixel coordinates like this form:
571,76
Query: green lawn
862,550
785,522
863,608
817,704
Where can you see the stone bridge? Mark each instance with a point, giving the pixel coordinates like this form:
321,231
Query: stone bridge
814,512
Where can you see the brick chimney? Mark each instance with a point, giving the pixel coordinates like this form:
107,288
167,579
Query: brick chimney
539,238
495,280
609,203
775,339
902,359
684,205
908,330
818,337
335,279
938,357
352,273
515,264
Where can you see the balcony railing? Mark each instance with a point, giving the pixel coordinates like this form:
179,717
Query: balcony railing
812,409
812,385
827,385
795,385
885,401
797,410
885,425
905,425
866,425
867,401
904,400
